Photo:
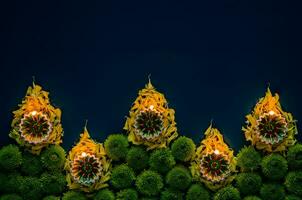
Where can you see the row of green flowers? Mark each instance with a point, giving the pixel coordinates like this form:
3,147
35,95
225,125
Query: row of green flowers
158,174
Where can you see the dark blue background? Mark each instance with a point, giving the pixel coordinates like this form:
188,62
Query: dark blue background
212,60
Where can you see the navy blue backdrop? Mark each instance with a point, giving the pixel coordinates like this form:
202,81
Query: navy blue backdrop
212,60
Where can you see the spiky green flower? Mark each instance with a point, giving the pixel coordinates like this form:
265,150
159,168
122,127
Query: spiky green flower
149,183
183,148
116,146
122,176
10,197
148,198
51,198
197,191
3,182
161,160
251,198
53,183
292,197
31,188
248,159
31,164
274,166
53,158
127,194
73,195
227,193
104,194
272,191
179,178
13,183
10,157
170,194
294,157
248,183
137,158
293,183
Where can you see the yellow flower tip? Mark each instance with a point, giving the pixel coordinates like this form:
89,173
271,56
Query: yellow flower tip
149,84
268,90
85,135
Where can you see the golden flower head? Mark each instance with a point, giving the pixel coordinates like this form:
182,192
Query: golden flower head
151,122
36,123
268,127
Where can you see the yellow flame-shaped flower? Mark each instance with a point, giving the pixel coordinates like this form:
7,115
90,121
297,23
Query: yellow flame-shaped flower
150,121
268,127
87,165
36,123
214,163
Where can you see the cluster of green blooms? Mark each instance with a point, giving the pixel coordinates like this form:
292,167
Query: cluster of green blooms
276,176
162,173
154,174
32,177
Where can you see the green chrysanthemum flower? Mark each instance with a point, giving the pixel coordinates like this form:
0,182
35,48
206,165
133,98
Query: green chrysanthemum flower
170,194
251,198
53,183
179,178
272,191
137,158
248,183
51,198
116,146
294,157
161,160
10,157
53,158
149,183
148,198
10,197
293,183
31,164
127,194
31,188
227,193
122,176
183,148
274,166
292,197
13,183
248,159
3,182
104,194
197,191
72,195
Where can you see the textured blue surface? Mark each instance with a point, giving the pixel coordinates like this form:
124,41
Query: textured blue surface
212,61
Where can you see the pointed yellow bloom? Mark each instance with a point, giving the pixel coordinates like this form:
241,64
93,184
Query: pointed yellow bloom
268,127
214,163
150,121
36,123
87,165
